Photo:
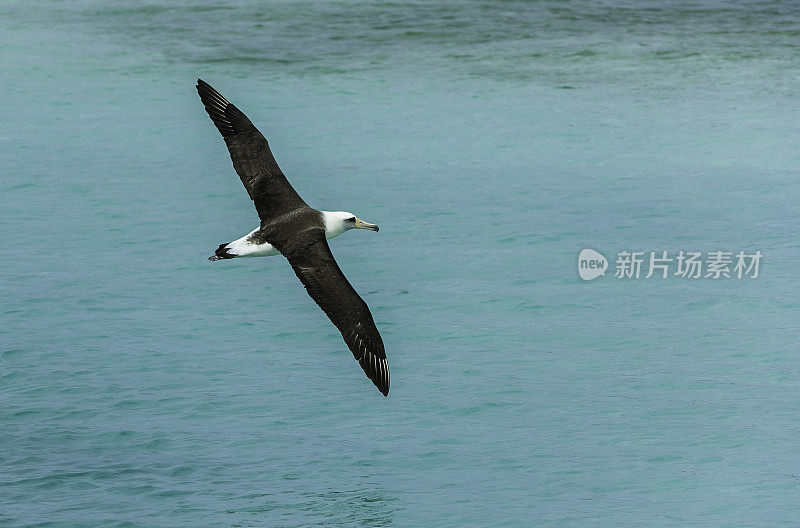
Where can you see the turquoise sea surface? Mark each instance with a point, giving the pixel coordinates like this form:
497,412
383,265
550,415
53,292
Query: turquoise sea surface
143,386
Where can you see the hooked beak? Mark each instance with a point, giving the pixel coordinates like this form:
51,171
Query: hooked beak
360,224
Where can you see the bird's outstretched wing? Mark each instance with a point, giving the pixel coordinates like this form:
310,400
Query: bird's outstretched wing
312,261
265,183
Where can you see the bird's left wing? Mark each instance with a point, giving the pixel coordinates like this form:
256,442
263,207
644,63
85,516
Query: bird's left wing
252,158
313,262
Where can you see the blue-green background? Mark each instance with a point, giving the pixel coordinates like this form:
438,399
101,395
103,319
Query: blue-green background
143,386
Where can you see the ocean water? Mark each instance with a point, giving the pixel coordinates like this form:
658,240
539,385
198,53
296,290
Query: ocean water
143,386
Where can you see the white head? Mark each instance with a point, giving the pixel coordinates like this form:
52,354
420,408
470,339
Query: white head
337,222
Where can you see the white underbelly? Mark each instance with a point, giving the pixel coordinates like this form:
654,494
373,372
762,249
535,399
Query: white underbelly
243,248
257,250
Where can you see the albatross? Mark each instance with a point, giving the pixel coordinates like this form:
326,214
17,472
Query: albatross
300,233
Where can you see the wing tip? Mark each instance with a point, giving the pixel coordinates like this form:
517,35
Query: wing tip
383,385
216,106
377,371
380,375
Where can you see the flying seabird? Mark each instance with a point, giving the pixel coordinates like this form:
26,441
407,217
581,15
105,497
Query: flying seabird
298,232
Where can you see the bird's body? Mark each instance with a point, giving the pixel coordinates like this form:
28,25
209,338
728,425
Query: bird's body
255,245
298,232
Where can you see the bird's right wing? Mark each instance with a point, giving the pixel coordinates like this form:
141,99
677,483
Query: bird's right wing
312,261
269,189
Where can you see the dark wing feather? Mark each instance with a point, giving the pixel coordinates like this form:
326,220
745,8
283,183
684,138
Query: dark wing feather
269,189
312,261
